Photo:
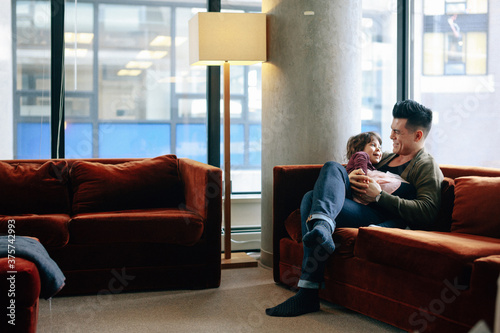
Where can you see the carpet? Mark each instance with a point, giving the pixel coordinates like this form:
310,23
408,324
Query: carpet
236,306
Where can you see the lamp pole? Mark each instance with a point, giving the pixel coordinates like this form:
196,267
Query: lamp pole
227,163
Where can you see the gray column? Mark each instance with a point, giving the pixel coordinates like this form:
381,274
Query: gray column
311,86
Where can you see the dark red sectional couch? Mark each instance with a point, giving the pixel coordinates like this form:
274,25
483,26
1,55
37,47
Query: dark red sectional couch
116,225
440,280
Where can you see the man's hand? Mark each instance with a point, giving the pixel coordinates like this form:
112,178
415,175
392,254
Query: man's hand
363,186
372,191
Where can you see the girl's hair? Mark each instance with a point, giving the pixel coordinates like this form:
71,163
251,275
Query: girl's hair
358,142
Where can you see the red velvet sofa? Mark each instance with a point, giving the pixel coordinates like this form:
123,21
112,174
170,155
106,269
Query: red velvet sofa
440,280
20,291
116,225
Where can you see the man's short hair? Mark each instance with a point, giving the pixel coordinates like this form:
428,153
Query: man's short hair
417,115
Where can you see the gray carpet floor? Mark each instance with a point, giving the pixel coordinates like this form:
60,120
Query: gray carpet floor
236,306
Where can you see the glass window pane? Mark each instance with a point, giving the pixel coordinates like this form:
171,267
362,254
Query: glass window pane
77,107
379,54
33,45
433,7
79,46
35,105
188,79
6,75
31,111
433,54
191,141
133,140
33,140
255,93
465,118
134,62
78,140
476,53
255,148
192,108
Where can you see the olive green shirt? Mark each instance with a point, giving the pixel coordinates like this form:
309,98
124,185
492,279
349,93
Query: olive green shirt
423,173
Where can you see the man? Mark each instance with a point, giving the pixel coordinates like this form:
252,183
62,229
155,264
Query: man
330,205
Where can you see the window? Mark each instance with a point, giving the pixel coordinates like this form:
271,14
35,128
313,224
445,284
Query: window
129,88
455,37
379,53
455,77
30,77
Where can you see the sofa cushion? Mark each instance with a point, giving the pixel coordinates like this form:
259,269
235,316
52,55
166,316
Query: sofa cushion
34,188
443,220
171,225
476,210
50,229
148,183
293,226
433,254
344,238
27,282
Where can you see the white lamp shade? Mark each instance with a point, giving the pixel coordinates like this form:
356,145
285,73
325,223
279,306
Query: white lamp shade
238,38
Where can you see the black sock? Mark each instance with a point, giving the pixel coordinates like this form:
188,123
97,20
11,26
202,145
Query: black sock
305,301
320,234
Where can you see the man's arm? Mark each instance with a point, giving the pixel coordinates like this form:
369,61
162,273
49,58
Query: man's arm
421,212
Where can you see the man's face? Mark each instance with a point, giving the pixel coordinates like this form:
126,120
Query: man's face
403,140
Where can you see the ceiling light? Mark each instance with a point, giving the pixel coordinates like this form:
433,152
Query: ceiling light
70,53
81,37
139,64
166,41
146,54
129,72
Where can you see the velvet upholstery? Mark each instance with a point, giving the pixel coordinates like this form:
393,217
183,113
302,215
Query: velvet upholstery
30,188
436,255
148,183
426,281
293,226
156,221
160,225
27,290
473,214
50,229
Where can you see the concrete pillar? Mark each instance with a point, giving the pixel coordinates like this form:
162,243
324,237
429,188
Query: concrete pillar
311,89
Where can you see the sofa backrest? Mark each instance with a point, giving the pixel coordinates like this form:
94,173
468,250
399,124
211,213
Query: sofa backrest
454,171
35,187
98,186
74,186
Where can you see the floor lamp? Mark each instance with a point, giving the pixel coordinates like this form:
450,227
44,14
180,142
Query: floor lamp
224,39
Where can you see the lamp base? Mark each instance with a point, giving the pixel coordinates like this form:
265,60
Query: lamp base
238,260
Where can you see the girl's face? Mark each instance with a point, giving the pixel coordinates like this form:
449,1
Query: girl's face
373,150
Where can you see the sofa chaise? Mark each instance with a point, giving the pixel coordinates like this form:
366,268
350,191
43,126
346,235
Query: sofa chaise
438,280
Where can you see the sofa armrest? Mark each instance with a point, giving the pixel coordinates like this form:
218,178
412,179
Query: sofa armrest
290,183
485,273
203,193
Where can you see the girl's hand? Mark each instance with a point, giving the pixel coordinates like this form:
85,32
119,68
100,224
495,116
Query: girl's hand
359,181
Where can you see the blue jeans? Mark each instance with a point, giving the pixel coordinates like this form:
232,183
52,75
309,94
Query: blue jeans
331,200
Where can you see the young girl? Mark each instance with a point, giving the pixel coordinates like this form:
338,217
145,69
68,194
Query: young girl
363,151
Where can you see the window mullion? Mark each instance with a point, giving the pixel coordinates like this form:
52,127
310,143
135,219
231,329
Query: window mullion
57,78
